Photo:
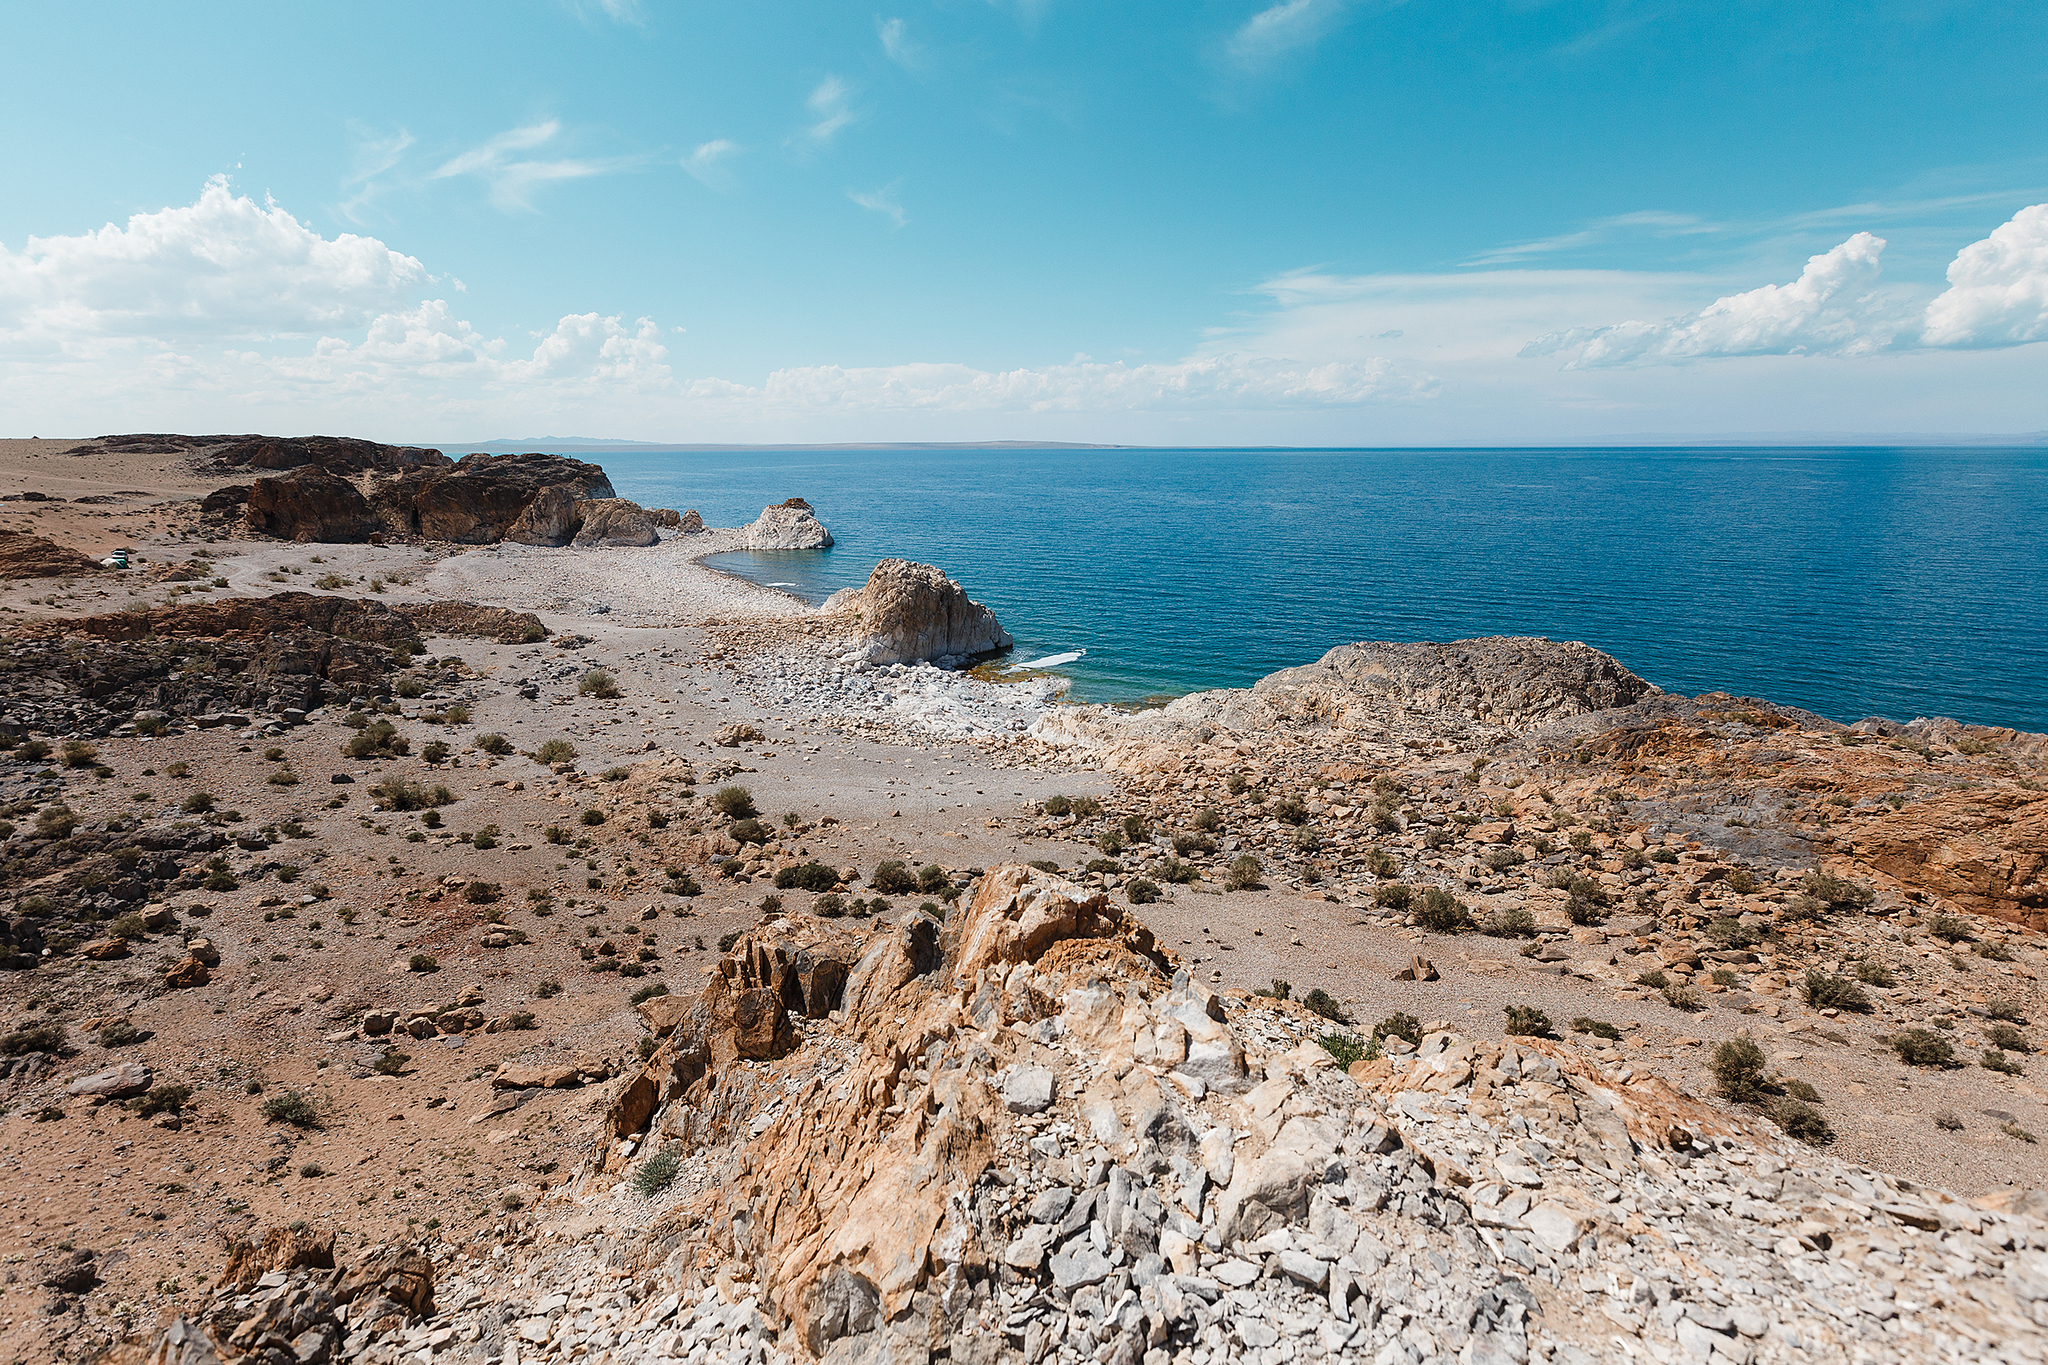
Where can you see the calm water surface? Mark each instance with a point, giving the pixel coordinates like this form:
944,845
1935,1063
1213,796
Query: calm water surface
1854,582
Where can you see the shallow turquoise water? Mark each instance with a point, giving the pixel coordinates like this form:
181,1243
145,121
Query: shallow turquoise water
1854,582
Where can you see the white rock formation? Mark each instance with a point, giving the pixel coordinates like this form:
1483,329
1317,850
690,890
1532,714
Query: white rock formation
909,613
787,525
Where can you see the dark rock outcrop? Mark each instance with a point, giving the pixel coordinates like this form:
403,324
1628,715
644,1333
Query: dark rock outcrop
27,556
221,454
483,496
309,504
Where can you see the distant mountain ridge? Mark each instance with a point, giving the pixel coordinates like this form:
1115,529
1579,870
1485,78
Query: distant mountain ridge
504,445
560,443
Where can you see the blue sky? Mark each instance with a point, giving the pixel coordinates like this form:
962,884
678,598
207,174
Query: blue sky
1306,221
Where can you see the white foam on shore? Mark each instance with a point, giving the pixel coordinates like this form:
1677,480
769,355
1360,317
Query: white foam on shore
1051,660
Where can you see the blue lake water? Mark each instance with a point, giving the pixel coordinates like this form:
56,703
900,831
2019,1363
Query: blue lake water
1854,582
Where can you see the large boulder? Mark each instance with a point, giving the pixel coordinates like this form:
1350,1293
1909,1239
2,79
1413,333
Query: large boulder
788,525
908,613
309,504
691,524
1515,682
615,522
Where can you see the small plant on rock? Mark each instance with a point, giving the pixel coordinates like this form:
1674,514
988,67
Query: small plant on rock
1597,1027
1442,913
1243,873
1525,1021
555,751
657,1173
1320,1002
1834,992
1398,1025
1141,892
1347,1048
1801,1120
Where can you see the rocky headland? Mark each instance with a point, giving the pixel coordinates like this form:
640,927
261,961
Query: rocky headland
446,922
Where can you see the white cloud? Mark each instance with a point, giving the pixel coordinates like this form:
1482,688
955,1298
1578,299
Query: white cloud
882,201
707,163
1274,32
513,179
1227,381
896,44
1839,306
1997,289
829,102
1835,307
221,267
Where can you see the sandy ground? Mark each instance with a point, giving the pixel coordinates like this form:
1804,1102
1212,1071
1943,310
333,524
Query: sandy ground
399,1150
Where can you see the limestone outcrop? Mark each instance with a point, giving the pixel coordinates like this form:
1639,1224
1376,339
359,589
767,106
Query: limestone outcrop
788,525
531,499
911,613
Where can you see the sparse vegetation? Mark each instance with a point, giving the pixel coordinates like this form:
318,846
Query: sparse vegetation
893,878
422,962
1320,1002
1597,1027
1923,1047
292,1108
1801,1120
1243,873
734,803
1525,1021
1834,992
1949,928
1141,892
378,739
494,743
1738,1067
397,793
810,876
1347,1048
1512,921
1398,1025
657,1173
2008,1038
555,751
1442,913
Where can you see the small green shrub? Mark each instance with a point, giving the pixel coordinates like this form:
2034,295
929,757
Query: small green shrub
1993,950
34,1038
1683,998
1289,809
592,817
2002,1008
1056,805
481,893
1872,972
1834,992
1598,1028
892,878
162,1099
1836,894
494,743
1994,1060
79,754
1442,913
1923,1047
811,876
657,1173
1175,871
734,803
1320,1002
291,1108
1513,921
120,1033
378,739
1949,928
1393,896
1802,1121
1655,979
547,990
829,906
1738,1067
1207,821
1502,858
750,831
1525,1021
397,793
392,1063
1347,1048
598,683
422,962
555,751
1398,1025
1243,873
2008,1038
1141,892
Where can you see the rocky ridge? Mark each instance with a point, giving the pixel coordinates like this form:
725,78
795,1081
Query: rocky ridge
1022,1134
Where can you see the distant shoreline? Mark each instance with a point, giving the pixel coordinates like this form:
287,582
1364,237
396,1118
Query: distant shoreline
1786,440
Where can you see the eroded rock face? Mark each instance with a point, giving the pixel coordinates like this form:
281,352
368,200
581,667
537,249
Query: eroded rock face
909,613
550,519
789,525
483,496
1513,682
309,504
691,524
614,522
26,556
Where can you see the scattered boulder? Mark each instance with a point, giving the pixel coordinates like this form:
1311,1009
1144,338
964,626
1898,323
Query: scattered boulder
788,525
188,972
129,1078
736,734
691,524
667,518
910,613
282,1249
471,621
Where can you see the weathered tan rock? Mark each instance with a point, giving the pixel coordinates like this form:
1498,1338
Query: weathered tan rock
552,518
611,522
129,1078
104,949
789,525
691,524
27,556
909,613
280,1249
1985,851
309,504
510,1077
667,518
187,972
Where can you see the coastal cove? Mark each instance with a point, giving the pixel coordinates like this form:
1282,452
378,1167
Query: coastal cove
1852,582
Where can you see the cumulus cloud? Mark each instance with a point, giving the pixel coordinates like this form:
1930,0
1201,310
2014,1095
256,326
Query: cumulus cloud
1997,289
1833,308
1283,28
829,102
221,267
